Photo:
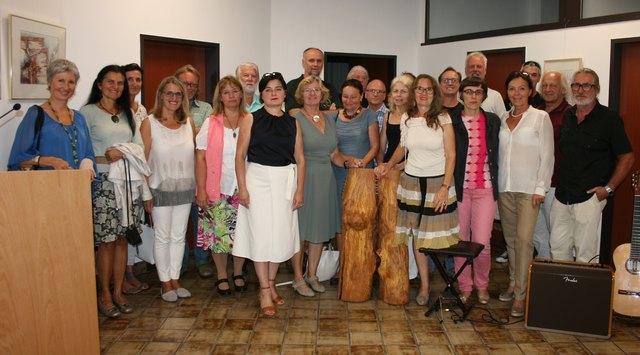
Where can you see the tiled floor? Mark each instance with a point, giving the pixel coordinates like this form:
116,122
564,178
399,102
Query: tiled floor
210,324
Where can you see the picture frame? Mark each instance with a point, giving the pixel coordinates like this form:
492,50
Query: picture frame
566,66
32,46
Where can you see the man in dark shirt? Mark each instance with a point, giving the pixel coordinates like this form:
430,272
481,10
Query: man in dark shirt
313,63
596,157
554,91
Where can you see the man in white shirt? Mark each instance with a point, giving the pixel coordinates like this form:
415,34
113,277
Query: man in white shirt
476,65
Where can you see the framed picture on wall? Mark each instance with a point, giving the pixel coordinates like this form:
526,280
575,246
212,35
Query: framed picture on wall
32,46
566,66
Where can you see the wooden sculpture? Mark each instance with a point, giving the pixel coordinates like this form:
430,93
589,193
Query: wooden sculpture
358,261
393,269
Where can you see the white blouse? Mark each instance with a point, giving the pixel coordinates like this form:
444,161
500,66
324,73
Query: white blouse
425,145
526,154
228,182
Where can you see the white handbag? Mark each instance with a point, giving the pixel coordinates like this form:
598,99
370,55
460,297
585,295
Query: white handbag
145,250
329,262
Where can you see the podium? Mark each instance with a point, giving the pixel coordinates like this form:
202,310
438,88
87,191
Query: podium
47,271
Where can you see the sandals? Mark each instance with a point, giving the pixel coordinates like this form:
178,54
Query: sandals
125,308
220,291
277,299
239,288
266,311
134,289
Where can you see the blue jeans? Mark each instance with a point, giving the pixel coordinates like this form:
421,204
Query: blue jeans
201,256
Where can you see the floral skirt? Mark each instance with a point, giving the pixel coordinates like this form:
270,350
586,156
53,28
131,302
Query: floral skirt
217,224
107,225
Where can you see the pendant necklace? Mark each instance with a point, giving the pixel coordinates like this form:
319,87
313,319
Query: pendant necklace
514,115
232,128
314,118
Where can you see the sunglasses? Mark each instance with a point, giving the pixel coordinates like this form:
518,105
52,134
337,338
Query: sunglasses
532,64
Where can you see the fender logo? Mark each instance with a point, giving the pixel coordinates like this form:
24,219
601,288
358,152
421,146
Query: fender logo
570,279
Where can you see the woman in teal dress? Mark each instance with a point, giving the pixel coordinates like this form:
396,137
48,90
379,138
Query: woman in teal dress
318,218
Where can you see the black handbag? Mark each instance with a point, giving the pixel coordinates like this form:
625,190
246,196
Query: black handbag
132,234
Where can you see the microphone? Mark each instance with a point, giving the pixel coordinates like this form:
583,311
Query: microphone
15,107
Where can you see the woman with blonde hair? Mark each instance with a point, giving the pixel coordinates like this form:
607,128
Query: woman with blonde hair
217,187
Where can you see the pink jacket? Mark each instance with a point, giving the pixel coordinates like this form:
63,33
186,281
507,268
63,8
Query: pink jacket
213,154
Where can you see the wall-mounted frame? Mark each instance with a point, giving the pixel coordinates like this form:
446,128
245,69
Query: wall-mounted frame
566,66
32,46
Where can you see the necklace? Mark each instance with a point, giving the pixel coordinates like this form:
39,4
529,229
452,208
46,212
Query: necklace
353,115
235,134
73,139
314,118
114,116
511,112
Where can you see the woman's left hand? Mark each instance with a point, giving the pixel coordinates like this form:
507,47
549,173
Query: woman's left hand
537,200
113,154
440,199
298,200
148,205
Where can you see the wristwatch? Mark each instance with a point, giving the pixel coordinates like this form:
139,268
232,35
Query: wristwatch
608,189
36,160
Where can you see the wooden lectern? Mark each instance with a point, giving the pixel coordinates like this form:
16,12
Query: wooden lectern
47,271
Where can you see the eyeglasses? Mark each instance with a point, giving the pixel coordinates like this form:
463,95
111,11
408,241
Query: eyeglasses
473,92
311,90
190,85
450,80
583,86
376,91
171,94
422,89
532,64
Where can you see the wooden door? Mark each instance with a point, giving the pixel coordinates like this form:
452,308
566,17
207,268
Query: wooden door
623,98
161,57
500,63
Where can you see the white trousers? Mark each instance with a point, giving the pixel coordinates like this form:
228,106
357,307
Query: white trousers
576,226
170,225
543,226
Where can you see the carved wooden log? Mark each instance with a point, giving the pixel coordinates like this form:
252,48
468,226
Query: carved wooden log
358,261
393,269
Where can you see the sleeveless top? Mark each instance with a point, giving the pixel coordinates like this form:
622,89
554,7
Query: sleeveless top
393,139
273,139
172,163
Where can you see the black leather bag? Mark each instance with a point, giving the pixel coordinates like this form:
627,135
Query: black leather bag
132,234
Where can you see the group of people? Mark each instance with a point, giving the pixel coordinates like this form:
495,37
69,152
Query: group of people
271,158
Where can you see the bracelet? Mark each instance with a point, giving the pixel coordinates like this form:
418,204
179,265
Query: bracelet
345,164
445,185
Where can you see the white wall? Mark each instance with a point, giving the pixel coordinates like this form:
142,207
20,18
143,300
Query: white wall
101,33
354,26
591,43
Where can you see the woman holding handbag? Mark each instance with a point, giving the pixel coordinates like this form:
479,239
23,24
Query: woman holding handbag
216,184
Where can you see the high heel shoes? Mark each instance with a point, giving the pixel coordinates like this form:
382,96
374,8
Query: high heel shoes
277,299
266,311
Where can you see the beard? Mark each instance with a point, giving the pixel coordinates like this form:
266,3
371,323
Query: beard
583,101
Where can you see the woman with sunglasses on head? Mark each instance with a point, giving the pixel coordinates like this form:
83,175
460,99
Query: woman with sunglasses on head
270,188
427,141
110,121
526,165
168,136
476,180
